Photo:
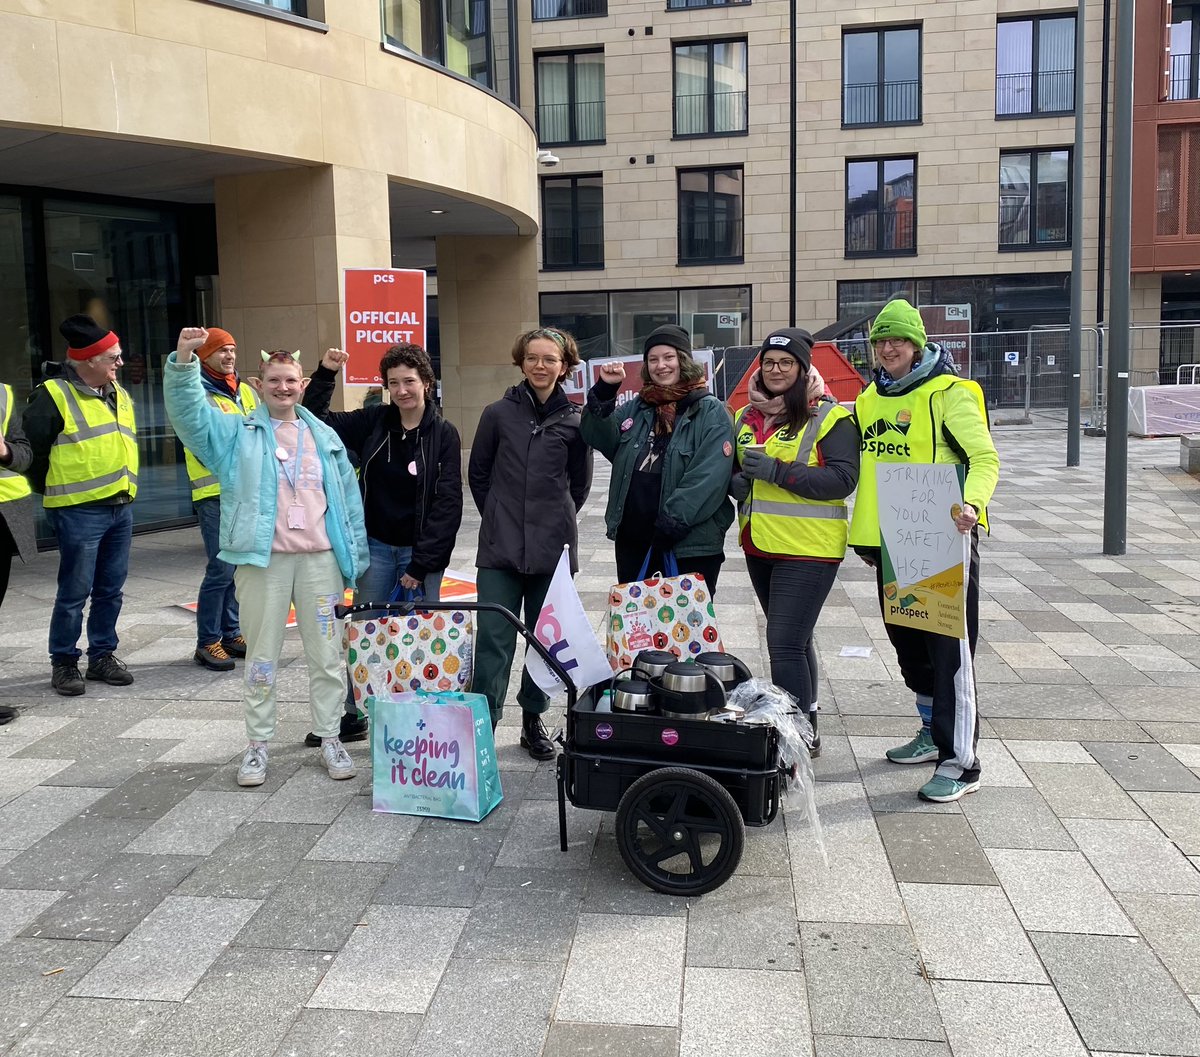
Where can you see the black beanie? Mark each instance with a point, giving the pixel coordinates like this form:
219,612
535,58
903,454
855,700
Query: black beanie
669,334
795,342
85,338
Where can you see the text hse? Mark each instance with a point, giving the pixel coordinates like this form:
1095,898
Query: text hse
389,318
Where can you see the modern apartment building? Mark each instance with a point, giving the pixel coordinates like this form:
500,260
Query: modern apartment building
164,162
934,160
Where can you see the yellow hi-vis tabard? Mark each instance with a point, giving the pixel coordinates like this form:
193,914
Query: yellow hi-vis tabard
782,522
12,484
96,454
904,428
204,484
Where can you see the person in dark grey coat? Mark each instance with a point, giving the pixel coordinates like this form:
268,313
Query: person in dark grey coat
16,512
530,473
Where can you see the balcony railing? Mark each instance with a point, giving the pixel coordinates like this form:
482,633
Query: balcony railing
1183,80
547,9
728,114
556,127
880,231
901,103
1055,92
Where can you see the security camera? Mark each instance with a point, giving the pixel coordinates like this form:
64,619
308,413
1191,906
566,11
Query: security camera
547,158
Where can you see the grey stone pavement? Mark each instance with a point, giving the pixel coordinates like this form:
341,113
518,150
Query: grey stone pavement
150,907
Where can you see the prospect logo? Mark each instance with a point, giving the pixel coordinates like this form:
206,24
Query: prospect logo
875,436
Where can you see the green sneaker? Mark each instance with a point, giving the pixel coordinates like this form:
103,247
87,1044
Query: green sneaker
920,750
942,790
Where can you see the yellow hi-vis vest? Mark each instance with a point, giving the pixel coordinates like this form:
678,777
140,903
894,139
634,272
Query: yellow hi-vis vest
782,522
905,428
204,484
96,454
13,485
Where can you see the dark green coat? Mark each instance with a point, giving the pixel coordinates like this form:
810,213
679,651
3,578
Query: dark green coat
697,466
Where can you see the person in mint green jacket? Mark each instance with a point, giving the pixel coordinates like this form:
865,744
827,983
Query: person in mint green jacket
292,524
671,449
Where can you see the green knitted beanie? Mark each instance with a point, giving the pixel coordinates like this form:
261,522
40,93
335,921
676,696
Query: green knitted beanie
898,319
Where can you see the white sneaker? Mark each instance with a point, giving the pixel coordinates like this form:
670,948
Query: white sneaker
337,760
253,770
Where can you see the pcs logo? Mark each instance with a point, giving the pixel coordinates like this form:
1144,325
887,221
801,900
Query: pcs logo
877,442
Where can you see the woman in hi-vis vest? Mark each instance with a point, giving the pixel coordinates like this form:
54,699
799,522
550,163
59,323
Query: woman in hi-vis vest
918,410
798,456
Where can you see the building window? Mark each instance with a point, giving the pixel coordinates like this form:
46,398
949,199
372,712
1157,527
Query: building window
1035,209
570,98
1177,205
1035,66
881,207
881,77
710,216
295,7
451,33
710,88
572,222
548,9
683,5
1185,50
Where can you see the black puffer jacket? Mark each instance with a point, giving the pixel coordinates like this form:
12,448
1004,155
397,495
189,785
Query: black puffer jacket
439,467
530,473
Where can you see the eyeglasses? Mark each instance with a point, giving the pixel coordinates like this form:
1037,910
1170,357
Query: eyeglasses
890,343
108,361
542,361
783,366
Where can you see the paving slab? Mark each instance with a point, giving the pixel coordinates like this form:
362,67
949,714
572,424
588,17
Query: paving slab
1076,790
518,999
519,924
604,985
362,835
743,1013
1134,856
18,907
309,795
349,1033
1068,730
939,849
1048,752
169,951
1058,891
244,1004
1170,925
851,1046
610,1040
28,818
113,900
1006,1020
289,920
252,862
441,867
969,932
1014,818
747,923
1177,815
92,1027
1119,995
1137,767
532,839
197,825
34,974
70,854
843,963
152,792
395,962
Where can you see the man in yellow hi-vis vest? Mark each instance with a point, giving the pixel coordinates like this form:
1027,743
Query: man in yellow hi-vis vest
218,632
82,432
16,505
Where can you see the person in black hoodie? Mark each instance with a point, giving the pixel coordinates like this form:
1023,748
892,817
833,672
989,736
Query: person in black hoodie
410,473
530,473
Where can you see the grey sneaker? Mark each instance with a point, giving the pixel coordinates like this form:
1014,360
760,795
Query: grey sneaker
337,760
253,770
920,750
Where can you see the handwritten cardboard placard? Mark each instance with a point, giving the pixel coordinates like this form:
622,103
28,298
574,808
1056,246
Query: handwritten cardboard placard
924,555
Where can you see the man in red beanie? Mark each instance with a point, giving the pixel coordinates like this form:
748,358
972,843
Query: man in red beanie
82,432
218,632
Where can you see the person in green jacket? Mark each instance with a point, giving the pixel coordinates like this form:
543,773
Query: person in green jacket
671,449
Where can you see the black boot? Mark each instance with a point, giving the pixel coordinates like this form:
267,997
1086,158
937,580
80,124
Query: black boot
534,738
815,749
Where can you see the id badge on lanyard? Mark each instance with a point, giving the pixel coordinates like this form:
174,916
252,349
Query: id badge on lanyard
291,474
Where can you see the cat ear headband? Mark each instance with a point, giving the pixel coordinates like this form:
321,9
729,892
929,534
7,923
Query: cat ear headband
266,356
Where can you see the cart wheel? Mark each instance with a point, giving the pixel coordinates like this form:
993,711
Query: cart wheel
680,831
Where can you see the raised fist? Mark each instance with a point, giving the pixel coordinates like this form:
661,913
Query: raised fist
612,372
333,359
190,339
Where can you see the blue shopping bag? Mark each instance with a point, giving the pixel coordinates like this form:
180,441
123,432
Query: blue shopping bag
434,754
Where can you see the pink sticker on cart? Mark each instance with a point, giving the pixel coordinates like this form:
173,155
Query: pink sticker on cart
670,736
604,731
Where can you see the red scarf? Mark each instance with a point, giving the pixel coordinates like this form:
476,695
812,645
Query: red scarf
230,380
665,401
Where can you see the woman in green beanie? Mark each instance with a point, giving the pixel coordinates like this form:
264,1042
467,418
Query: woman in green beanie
918,410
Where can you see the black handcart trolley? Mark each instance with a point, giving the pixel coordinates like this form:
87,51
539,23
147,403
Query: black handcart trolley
683,789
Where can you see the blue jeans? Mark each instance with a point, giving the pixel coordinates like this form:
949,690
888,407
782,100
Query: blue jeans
93,549
216,605
381,581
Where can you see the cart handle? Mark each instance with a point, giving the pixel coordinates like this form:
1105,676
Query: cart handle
422,606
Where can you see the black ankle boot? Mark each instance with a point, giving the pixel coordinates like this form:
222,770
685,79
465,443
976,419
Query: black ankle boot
534,738
814,749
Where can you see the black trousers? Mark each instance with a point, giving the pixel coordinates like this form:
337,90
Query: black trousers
791,594
944,669
631,554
